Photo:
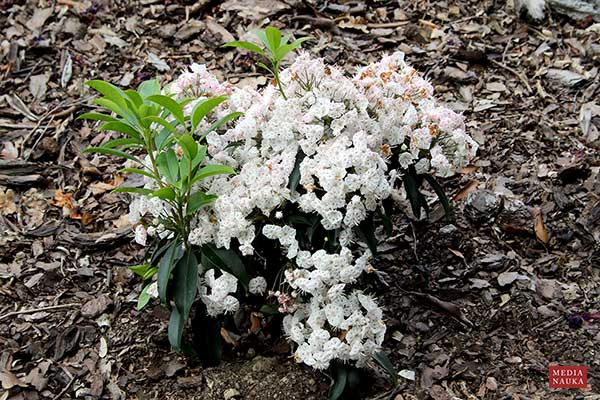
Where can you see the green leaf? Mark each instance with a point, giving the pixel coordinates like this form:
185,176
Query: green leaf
412,191
109,91
163,122
225,260
113,152
222,121
144,297
138,171
165,193
211,170
118,126
168,165
203,108
366,230
382,359
198,200
269,309
295,175
149,88
245,45
263,66
114,107
207,337
199,157
140,269
134,97
185,282
353,381
339,383
176,324
189,146
150,273
263,38
174,107
127,189
274,37
441,194
171,256
125,142
97,117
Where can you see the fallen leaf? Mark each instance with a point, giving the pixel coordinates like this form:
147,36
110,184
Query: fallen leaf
39,18
38,84
540,229
158,63
9,380
506,278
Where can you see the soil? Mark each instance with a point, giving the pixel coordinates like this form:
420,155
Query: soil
478,307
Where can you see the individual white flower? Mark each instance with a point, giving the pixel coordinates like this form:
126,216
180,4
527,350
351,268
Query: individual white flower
152,290
257,285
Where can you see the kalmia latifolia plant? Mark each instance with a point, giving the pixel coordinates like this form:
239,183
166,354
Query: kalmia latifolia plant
278,193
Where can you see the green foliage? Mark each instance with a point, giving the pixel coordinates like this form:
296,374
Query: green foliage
275,48
153,124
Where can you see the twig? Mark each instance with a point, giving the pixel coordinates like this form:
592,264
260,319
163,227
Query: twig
519,75
34,310
62,392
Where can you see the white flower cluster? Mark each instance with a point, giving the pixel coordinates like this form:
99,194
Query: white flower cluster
351,137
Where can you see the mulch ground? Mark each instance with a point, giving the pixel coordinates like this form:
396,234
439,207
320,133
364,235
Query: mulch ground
477,307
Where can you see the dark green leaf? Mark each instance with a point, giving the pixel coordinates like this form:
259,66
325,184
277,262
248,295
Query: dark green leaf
295,175
441,194
225,260
339,383
245,45
176,324
174,107
203,108
382,359
185,282
198,200
366,231
269,309
171,256
412,191
113,152
207,337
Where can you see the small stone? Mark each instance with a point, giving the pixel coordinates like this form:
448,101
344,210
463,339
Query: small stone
231,393
482,206
263,364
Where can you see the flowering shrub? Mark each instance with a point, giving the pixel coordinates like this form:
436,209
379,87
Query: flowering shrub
279,189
